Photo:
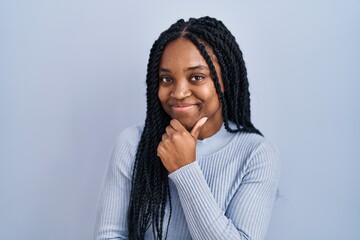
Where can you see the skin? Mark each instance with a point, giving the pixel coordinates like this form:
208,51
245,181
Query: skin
187,94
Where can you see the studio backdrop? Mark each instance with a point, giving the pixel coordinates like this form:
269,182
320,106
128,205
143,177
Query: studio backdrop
72,76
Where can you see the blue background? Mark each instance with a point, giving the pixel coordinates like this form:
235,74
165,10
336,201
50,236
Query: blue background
72,76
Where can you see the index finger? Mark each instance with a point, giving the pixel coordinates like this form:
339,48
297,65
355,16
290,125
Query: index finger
196,129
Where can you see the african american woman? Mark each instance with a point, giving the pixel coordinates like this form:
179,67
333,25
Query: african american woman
197,168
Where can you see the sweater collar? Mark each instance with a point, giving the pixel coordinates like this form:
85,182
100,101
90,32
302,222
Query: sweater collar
215,142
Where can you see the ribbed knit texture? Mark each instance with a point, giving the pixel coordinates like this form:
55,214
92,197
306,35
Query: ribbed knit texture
227,193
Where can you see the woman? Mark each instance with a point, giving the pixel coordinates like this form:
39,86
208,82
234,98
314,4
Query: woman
198,168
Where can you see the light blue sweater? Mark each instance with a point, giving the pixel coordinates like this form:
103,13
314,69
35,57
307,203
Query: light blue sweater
227,193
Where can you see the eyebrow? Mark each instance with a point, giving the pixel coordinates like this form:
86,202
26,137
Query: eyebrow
188,69
197,67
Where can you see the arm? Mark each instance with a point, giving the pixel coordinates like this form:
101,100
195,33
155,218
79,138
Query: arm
248,213
111,220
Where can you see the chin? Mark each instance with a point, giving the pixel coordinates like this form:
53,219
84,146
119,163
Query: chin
188,123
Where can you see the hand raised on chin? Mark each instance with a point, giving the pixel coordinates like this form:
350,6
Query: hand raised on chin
178,146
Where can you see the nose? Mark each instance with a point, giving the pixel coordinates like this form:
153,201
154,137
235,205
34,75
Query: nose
180,90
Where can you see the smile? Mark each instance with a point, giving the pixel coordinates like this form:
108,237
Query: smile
183,108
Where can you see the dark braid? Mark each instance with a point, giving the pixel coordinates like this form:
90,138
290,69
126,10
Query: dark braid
150,190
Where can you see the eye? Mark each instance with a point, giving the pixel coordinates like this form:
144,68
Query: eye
165,79
197,78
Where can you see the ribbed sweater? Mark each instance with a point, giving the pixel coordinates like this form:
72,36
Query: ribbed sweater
227,193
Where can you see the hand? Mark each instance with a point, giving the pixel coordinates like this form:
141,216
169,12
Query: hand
178,146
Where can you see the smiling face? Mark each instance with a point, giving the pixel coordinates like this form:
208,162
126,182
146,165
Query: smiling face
186,88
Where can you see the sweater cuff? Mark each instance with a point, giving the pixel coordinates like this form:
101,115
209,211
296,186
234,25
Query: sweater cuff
185,172
189,179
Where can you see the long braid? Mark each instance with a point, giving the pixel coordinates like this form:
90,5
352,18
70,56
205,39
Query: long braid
148,184
150,192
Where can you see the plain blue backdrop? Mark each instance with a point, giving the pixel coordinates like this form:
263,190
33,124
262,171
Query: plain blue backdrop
72,76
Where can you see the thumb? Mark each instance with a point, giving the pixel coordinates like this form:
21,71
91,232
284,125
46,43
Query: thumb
196,129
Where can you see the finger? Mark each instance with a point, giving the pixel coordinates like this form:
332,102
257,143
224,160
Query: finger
163,137
169,130
159,149
196,129
176,125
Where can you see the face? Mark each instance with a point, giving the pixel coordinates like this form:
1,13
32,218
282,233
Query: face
186,88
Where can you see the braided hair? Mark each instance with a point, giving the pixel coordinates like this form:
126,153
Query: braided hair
150,188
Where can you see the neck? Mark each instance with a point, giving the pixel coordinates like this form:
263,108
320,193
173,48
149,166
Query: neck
210,128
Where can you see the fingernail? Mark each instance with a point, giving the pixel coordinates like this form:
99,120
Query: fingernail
203,120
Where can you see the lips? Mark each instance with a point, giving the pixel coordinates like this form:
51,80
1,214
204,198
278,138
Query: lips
182,107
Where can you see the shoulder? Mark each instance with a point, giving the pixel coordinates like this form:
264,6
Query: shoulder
129,138
261,153
130,135
124,151
254,144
